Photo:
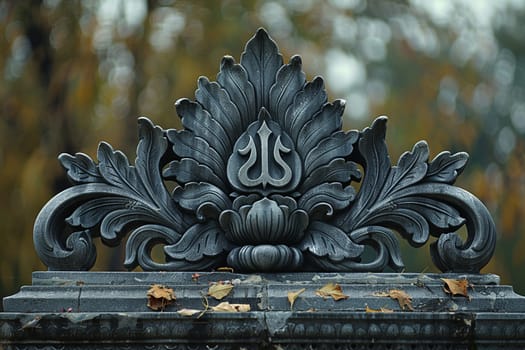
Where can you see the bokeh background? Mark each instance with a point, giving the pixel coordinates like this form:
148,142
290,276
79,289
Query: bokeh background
74,73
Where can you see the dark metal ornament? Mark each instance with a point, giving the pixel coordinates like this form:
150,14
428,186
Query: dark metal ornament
264,176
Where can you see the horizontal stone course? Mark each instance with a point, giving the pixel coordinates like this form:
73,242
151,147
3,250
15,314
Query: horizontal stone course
69,310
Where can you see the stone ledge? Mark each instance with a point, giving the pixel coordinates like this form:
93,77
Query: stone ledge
96,310
258,329
126,292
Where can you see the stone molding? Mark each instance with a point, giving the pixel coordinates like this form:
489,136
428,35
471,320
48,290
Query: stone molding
93,310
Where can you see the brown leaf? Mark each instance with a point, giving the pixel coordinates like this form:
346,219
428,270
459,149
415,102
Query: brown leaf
402,298
220,290
227,307
188,312
383,309
293,295
333,290
159,297
456,287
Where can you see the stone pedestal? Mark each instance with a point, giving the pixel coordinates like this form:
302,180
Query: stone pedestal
108,310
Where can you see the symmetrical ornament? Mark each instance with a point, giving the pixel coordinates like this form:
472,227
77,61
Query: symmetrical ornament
264,183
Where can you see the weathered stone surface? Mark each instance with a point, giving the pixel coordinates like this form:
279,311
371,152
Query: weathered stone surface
96,310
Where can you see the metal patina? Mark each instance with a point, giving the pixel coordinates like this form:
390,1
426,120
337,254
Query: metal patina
265,184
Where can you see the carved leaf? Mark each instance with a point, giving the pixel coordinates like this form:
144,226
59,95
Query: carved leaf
442,216
262,60
306,104
90,213
198,241
397,204
188,170
187,145
322,239
205,199
234,79
216,101
114,167
338,170
203,125
446,167
377,166
143,195
150,150
327,197
80,168
338,145
410,223
320,127
290,80
114,223
412,215
410,169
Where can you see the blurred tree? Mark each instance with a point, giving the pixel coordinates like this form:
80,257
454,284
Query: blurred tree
75,73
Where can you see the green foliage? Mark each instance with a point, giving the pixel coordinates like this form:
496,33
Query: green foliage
75,73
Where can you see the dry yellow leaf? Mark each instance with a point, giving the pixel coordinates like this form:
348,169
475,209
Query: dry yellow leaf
456,287
225,269
333,290
383,309
159,297
402,298
227,307
292,296
220,290
188,312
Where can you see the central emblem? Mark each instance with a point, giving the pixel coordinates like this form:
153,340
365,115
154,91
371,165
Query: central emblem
264,159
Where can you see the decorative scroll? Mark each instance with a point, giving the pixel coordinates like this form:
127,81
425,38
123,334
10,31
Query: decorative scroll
264,177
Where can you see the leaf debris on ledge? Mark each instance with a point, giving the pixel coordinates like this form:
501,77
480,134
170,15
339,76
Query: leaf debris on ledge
159,297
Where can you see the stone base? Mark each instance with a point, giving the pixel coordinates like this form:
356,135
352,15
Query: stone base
104,310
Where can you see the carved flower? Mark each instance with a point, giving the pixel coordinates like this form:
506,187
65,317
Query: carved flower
264,221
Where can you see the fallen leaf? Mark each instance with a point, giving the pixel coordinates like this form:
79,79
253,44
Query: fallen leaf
195,277
292,296
220,290
331,290
225,269
33,323
383,309
227,307
402,298
456,287
188,312
159,297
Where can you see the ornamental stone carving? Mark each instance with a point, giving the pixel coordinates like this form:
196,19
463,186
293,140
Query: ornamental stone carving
265,181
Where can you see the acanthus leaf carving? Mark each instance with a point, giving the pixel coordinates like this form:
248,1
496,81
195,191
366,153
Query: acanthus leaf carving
80,168
264,182
323,239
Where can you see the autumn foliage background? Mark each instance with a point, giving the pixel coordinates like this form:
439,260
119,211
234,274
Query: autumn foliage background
75,73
